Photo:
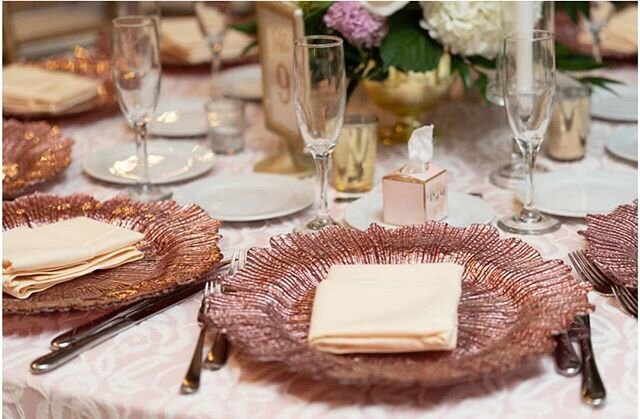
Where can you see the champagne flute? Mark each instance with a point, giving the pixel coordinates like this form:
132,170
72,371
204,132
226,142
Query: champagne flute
136,72
320,98
529,75
212,18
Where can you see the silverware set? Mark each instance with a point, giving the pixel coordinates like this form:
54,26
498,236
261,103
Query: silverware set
588,271
72,343
568,363
217,356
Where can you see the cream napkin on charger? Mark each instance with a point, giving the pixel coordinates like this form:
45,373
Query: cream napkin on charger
35,259
183,40
386,308
35,89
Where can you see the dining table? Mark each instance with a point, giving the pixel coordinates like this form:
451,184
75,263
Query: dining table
137,374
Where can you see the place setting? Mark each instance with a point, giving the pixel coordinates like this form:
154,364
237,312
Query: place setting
312,249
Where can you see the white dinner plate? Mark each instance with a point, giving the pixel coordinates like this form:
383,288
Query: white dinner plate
572,193
169,161
622,106
179,118
463,210
623,143
249,197
243,82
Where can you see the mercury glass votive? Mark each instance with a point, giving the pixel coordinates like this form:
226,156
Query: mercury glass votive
569,127
354,157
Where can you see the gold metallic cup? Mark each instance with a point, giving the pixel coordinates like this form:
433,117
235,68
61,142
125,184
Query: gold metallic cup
354,157
570,122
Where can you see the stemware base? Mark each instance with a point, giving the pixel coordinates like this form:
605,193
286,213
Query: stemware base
529,224
149,193
316,224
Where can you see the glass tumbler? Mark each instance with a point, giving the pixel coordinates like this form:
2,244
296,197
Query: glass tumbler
225,125
354,157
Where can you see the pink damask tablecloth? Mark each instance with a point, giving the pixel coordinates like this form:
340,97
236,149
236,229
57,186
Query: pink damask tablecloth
137,374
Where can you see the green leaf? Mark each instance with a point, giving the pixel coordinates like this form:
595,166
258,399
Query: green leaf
577,63
407,46
313,13
481,61
250,27
249,47
460,66
481,84
602,82
575,8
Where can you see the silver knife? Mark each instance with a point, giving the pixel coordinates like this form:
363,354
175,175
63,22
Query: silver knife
67,338
56,358
593,391
568,362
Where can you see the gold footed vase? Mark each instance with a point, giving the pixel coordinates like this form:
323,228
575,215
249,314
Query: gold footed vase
407,95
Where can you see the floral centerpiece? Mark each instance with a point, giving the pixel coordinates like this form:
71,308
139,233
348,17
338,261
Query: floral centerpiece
407,54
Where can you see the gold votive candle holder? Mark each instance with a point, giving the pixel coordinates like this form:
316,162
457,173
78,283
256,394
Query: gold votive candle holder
569,126
354,157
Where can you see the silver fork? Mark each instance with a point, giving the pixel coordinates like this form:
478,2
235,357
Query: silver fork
628,299
588,272
191,381
217,356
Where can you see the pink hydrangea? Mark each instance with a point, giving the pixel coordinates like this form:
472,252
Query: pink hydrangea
358,25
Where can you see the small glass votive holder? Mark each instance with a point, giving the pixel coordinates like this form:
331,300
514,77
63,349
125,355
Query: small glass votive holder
354,157
570,122
225,125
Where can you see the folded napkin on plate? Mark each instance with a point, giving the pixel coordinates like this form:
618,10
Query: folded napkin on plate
35,259
183,40
38,90
621,33
386,308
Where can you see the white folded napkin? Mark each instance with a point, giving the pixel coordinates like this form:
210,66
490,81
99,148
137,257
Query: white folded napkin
35,259
386,308
38,90
182,39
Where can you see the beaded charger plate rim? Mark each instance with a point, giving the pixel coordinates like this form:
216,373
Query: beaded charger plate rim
612,243
180,245
512,303
32,153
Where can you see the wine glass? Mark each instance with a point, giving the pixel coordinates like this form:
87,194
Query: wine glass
320,98
136,72
212,18
529,81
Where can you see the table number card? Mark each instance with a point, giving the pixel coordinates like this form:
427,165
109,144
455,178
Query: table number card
280,23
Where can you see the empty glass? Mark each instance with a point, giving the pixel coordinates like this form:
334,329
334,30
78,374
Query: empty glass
225,125
320,98
212,18
136,72
529,81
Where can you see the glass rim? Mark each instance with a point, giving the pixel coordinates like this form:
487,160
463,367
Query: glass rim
332,41
133,21
534,35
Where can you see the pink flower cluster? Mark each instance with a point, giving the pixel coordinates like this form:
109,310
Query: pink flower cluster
359,26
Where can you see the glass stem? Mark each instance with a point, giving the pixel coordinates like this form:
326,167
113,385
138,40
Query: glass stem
140,129
529,153
216,92
322,163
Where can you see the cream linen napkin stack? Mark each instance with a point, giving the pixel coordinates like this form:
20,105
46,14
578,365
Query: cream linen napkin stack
35,259
183,39
30,89
386,308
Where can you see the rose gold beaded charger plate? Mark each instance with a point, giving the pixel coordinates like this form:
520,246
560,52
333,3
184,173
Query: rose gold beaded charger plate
612,243
32,153
180,245
512,302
